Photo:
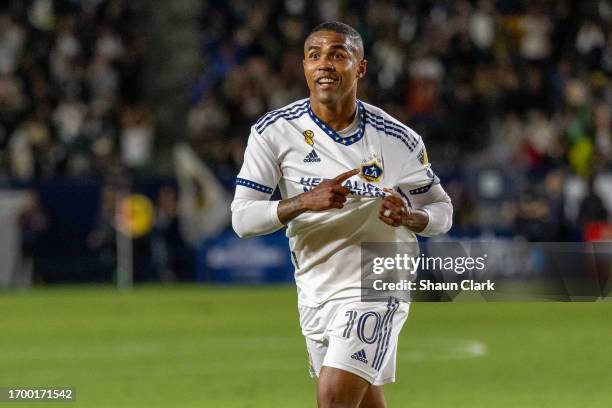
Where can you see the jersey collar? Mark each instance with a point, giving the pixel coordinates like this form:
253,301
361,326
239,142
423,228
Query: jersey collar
346,140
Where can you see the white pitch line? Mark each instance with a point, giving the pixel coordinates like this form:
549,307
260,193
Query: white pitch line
442,350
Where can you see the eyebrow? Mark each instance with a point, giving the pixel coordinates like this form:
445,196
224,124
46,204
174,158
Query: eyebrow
335,46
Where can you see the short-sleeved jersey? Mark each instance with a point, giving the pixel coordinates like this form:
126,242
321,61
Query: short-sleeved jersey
294,149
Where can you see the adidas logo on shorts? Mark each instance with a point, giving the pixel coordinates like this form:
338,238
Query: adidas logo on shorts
360,356
312,157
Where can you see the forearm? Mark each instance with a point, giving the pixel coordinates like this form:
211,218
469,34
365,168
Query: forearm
290,208
440,219
327,195
259,217
252,217
416,220
436,207
255,217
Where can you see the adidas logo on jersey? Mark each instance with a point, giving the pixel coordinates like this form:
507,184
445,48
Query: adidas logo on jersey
312,157
360,356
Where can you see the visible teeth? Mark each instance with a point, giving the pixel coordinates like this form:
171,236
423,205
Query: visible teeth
326,81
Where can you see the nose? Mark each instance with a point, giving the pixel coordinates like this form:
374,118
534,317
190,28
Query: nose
325,64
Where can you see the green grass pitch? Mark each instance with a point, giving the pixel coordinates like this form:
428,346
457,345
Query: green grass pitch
197,346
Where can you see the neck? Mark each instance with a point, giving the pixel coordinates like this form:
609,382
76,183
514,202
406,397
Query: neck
337,116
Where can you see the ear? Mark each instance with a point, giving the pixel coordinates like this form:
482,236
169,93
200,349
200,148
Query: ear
361,70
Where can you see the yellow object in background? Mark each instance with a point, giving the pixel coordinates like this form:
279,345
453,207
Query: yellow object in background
580,156
135,215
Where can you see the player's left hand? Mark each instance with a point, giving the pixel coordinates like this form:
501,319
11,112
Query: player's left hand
394,212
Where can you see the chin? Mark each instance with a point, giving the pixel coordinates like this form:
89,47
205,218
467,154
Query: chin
326,98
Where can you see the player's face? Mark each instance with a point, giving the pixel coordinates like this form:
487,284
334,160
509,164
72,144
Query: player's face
332,67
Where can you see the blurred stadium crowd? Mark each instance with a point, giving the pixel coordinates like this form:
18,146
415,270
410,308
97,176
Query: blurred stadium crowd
513,98
521,86
72,107
71,90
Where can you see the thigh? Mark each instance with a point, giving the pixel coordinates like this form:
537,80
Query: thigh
374,398
337,387
340,388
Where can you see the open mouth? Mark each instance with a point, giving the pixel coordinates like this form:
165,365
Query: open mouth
326,82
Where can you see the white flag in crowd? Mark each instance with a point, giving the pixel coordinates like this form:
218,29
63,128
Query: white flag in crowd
204,205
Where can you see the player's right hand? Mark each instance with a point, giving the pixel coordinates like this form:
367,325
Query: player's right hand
328,194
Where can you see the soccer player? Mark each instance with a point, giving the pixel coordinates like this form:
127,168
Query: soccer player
348,173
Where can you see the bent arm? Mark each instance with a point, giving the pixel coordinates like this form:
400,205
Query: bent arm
253,216
438,206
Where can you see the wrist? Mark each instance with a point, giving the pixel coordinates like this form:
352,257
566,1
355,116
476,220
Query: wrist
290,208
415,219
302,202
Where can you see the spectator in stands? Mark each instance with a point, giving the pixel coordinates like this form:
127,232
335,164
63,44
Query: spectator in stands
592,208
102,240
32,225
66,67
172,256
137,132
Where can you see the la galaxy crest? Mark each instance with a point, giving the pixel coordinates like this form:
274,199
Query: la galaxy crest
372,169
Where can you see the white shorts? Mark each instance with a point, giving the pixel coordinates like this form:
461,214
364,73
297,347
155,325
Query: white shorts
359,337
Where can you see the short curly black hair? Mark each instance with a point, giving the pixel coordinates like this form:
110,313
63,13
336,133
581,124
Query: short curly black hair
347,30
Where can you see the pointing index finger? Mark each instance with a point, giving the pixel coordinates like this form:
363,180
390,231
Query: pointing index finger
344,176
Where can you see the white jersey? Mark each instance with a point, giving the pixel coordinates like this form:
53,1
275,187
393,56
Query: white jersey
294,149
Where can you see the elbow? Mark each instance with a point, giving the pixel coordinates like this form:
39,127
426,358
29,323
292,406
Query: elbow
238,224
449,219
251,219
448,225
238,228
239,232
